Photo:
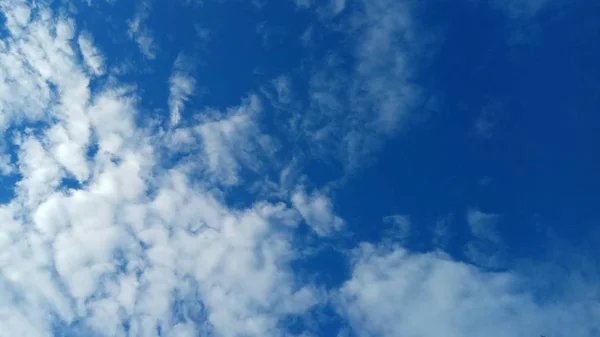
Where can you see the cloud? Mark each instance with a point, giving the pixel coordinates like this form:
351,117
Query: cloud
399,226
119,227
487,247
524,9
91,56
395,293
303,3
487,120
317,211
133,247
357,101
141,34
223,143
181,87
337,6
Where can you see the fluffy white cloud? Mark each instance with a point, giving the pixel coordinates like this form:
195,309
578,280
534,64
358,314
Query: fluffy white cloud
395,293
115,249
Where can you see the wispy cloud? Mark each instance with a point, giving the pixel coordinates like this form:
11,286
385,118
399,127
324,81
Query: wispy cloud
141,34
181,87
399,227
356,103
317,211
91,56
487,120
486,248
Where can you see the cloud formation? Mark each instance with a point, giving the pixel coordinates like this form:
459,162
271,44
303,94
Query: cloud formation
122,227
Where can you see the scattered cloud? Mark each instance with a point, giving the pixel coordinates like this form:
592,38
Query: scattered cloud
117,228
357,103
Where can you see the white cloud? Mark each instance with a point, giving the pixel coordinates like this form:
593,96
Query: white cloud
224,143
317,211
155,246
91,56
395,293
181,87
141,34
106,252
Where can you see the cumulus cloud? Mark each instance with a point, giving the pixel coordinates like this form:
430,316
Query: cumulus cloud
395,293
181,87
106,256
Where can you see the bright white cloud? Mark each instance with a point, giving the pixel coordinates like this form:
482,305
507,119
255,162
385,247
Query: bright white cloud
181,87
395,293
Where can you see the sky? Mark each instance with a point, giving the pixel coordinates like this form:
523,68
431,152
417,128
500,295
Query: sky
345,168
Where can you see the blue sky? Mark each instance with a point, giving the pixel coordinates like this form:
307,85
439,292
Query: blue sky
299,168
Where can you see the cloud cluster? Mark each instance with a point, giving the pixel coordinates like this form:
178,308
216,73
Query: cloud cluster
121,229
115,251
